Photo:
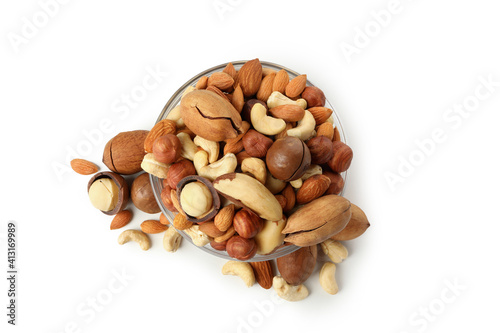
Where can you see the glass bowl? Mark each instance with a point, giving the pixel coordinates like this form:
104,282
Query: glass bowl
157,183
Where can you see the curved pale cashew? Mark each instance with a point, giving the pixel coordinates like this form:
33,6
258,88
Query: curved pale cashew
187,91
226,164
134,235
199,237
263,123
327,278
211,147
256,167
297,183
171,240
175,115
305,127
277,99
188,147
274,185
152,166
241,269
288,292
334,250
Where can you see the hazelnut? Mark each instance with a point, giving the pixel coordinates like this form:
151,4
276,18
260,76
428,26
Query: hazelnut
256,144
342,157
143,196
336,182
218,246
288,158
124,153
321,149
108,192
247,224
167,148
314,97
167,199
241,248
179,170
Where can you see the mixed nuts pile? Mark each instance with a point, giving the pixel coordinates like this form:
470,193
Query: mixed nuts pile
250,162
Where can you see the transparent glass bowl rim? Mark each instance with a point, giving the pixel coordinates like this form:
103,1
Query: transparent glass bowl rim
156,182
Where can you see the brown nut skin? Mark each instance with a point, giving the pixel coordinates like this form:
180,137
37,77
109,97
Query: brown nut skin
124,153
256,144
167,148
342,157
166,198
247,108
247,224
321,149
143,196
123,194
179,170
356,227
336,182
314,97
241,248
218,246
297,266
288,158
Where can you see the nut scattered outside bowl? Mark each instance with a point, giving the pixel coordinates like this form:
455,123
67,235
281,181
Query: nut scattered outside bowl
143,196
124,153
116,200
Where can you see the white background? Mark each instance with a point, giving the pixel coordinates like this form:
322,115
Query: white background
438,227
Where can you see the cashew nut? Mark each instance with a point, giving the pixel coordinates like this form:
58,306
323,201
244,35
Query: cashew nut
187,91
288,292
241,269
152,166
263,123
274,185
256,167
297,183
135,235
327,278
199,237
196,199
211,147
305,127
334,250
171,240
175,115
226,164
188,147
277,99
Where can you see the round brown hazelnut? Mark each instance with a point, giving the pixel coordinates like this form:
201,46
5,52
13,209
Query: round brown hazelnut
179,170
142,195
218,246
288,158
321,149
247,224
256,144
336,182
241,248
314,97
167,148
342,157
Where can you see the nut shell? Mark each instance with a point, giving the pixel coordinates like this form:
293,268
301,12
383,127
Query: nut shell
215,197
124,153
288,158
297,266
143,196
123,190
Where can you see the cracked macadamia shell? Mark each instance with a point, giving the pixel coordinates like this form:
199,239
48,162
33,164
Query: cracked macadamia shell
288,158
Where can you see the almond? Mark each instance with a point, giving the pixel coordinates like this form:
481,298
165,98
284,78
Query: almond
181,222
320,114
312,188
266,87
267,71
325,129
281,81
250,77
336,134
233,147
289,194
288,112
202,83
296,86
224,218
218,92
229,69
238,99
221,80
263,273
163,218
211,230
152,227
161,128
83,167
282,200
121,219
